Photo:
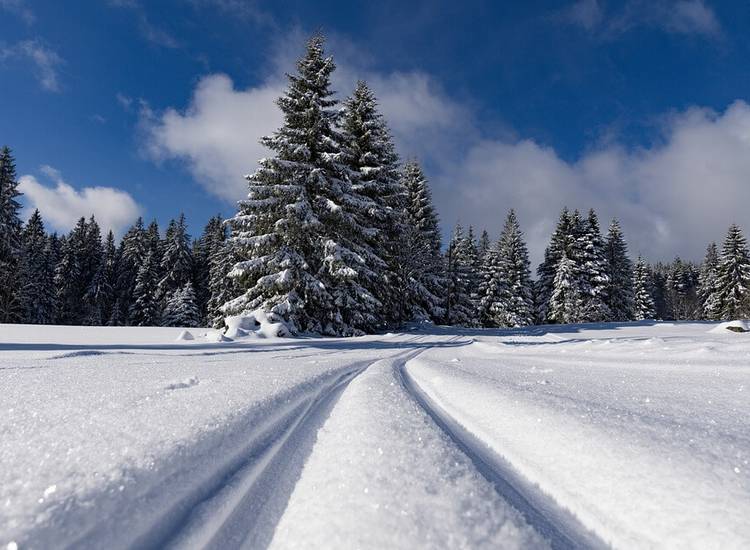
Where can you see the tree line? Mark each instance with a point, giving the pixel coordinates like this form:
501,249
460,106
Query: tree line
338,237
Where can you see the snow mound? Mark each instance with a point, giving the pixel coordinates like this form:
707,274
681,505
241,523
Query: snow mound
216,336
181,384
733,326
259,324
185,335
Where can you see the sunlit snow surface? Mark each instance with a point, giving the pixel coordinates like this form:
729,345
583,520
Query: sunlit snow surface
633,436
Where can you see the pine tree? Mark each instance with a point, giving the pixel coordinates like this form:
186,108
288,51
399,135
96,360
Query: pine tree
643,302
133,249
36,279
371,164
181,309
297,236
561,242
591,266
516,307
460,309
492,290
11,307
566,303
101,295
484,246
52,255
619,292
222,287
733,281
68,283
708,284
176,268
90,259
421,270
144,309
213,237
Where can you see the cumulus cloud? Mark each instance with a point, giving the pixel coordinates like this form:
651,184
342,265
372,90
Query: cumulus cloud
217,135
62,205
672,198
45,62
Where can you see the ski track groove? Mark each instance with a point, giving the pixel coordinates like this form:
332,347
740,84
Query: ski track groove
559,526
232,511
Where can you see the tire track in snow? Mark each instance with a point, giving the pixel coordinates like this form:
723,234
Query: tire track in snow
558,525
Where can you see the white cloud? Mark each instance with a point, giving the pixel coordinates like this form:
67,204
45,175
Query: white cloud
45,61
217,135
62,205
672,198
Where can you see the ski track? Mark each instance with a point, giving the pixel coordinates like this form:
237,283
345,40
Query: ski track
557,525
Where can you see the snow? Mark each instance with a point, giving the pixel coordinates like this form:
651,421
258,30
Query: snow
741,325
257,324
644,439
394,469
629,435
185,335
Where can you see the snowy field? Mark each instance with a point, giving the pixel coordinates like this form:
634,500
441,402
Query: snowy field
629,436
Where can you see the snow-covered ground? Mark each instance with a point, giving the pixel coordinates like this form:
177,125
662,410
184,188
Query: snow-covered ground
630,436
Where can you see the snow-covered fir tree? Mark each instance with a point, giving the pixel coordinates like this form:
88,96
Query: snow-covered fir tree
11,307
516,306
92,284
483,246
591,265
643,301
566,303
181,309
144,308
176,266
475,271
101,293
492,289
132,252
222,287
213,237
36,274
419,255
561,242
371,163
619,291
733,280
460,309
67,283
708,284
300,250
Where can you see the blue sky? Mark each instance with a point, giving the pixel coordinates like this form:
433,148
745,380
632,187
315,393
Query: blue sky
636,108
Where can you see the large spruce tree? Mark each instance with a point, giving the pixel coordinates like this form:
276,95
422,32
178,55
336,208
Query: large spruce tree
11,307
643,301
733,281
297,235
419,256
516,308
619,291
371,164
